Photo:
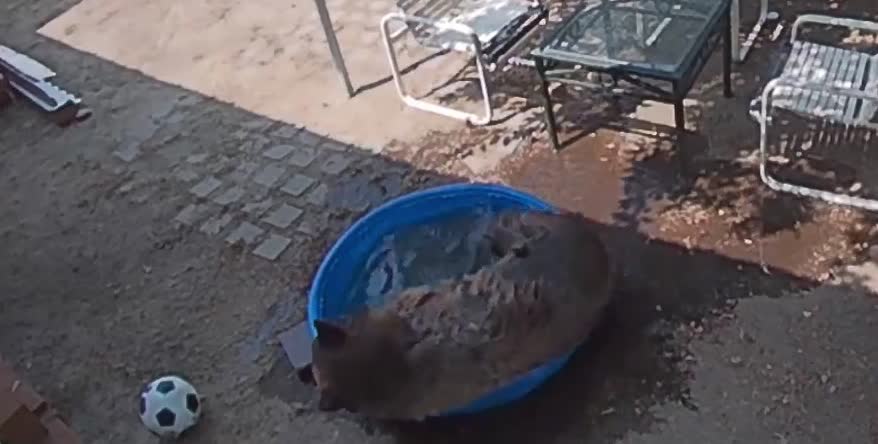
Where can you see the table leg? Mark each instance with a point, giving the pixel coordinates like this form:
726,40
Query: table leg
550,113
679,109
727,58
735,23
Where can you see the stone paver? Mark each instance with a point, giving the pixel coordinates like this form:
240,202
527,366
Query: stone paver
240,197
243,171
309,138
258,124
272,247
259,141
208,185
311,227
298,184
334,145
230,196
283,216
258,208
126,187
186,175
246,233
218,164
317,196
269,175
241,134
197,158
176,152
190,214
214,225
128,153
278,152
302,156
286,132
252,143
335,164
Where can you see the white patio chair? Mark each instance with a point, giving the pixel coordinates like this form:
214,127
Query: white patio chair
835,84
486,29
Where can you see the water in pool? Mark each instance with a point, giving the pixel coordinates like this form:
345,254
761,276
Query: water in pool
423,254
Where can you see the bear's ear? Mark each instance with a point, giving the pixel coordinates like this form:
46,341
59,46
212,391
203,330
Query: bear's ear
520,250
306,375
329,335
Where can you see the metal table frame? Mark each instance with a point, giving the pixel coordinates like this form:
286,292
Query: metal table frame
563,67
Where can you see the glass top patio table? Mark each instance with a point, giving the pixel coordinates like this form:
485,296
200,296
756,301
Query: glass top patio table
657,38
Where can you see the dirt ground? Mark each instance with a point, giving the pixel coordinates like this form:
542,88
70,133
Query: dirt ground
741,319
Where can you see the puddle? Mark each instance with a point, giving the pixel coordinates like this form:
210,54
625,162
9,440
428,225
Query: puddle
365,189
679,192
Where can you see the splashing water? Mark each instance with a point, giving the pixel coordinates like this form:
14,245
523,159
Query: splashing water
423,254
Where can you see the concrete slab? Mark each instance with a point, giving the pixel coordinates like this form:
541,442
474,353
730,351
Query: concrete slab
269,58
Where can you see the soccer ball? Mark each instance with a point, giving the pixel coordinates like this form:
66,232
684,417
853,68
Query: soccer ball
169,406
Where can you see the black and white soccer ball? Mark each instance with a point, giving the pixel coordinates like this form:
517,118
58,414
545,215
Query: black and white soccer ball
169,406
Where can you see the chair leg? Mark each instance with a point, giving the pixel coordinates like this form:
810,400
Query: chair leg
739,50
424,105
551,125
727,59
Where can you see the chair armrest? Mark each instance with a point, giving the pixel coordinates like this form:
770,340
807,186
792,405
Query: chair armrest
782,82
439,25
764,100
832,21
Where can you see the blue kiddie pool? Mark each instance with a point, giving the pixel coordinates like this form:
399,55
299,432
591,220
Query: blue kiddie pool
335,277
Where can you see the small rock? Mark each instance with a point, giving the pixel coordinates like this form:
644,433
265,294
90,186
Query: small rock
807,314
736,360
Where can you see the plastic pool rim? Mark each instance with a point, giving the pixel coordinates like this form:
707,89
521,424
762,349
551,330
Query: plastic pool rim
515,389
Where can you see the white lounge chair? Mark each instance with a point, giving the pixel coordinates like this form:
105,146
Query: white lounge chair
487,29
835,84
